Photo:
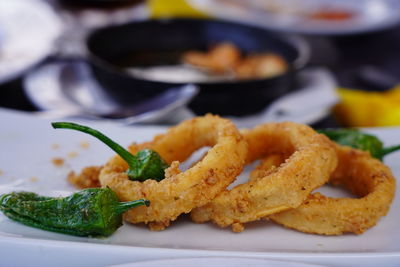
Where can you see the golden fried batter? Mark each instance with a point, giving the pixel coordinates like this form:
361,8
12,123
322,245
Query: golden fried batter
311,160
221,58
180,192
364,176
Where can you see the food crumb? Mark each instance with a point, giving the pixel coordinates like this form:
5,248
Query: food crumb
1,172
159,226
84,144
88,178
72,154
34,179
173,170
237,227
58,162
55,146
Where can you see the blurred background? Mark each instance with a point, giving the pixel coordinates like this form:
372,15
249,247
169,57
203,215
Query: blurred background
323,63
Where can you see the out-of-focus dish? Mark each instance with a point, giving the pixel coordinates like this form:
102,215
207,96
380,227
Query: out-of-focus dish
46,90
310,16
139,66
28,30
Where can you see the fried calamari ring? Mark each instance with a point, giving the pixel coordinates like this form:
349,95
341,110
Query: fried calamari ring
366,177
180,192
312,159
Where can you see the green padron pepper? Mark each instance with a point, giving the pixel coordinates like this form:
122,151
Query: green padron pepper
357,139
90,212
146,164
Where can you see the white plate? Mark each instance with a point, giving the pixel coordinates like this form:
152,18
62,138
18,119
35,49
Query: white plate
29,144
295,15
216,261
28,30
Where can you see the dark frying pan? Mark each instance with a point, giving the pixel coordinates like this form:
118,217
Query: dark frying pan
148,41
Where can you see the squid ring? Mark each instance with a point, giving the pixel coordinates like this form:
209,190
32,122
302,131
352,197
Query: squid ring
312,159
180,192
366,177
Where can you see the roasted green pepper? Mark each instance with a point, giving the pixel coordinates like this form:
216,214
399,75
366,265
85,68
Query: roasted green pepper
146,164
357,139
90,212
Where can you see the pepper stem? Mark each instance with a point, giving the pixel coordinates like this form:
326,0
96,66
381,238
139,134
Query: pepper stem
390,149
122,152
121,207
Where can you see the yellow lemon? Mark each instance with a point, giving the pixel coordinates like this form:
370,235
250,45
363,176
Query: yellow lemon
359,108
173,8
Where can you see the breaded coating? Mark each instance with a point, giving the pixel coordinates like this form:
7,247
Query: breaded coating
180,192
366,177
310,160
